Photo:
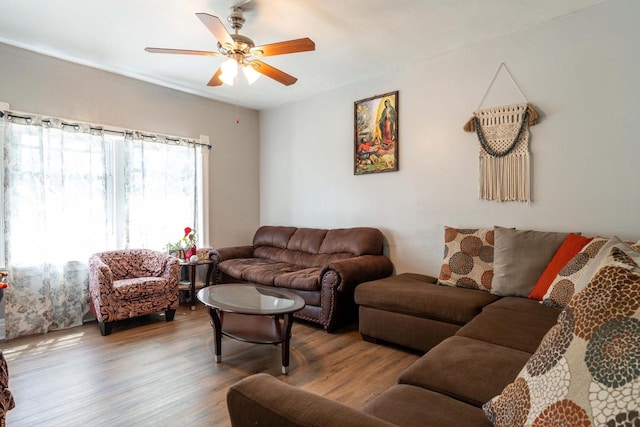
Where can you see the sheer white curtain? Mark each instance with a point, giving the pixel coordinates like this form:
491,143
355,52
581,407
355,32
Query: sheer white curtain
72,190
55,189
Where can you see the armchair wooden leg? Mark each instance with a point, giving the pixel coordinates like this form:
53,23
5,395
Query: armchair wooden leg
105,328
169,314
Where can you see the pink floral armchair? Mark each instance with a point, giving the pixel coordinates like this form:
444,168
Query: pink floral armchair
130,283
6,398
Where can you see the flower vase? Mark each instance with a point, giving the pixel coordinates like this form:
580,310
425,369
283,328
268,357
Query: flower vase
191,251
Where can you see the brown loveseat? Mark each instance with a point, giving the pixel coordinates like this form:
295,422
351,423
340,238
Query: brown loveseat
476,344
322,266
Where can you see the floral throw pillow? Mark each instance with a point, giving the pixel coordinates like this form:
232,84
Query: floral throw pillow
576,273
468,258
586,370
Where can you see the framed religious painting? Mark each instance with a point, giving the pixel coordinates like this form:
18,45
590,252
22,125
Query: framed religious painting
376,134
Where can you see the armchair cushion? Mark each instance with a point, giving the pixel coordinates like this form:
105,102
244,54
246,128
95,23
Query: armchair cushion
139,286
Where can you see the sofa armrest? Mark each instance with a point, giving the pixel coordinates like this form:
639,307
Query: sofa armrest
262,400
171,272
100,275
353,271
222,254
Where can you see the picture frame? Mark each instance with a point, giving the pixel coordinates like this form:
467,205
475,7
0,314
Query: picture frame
375,124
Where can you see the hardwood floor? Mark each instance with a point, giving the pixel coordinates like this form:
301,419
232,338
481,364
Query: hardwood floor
151,372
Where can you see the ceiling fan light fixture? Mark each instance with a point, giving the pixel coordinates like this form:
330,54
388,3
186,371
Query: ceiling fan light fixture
229,71
250,73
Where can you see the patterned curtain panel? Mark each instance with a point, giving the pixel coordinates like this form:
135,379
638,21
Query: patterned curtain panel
74,190
55,188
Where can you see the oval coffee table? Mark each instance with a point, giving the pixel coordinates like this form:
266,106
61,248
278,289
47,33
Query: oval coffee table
251,313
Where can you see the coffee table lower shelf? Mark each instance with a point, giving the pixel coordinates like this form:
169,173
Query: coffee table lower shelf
256,329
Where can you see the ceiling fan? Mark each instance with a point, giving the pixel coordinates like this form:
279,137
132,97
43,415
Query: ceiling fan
242,51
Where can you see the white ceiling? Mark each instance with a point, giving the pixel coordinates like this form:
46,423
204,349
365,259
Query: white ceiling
354,39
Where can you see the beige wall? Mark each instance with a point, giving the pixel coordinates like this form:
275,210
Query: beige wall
40,84
580,71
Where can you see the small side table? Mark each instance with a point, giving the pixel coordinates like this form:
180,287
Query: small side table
193,273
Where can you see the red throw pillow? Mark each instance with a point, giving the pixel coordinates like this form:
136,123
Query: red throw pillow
572,244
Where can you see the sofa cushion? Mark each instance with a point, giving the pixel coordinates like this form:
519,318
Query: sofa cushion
265,401
277,237
587,369
307,279
520,257
524,305
302,259
466,369
517,329
307,240
357,241
405,405
272,273
413,294
419,333
468,258
571,246
257,270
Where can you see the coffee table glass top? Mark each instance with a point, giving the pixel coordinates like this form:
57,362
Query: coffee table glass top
250,299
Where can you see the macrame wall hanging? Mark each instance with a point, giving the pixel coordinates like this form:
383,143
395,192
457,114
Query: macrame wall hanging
503,132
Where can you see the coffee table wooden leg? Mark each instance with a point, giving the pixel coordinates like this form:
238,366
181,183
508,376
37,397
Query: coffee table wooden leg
217,333
286,339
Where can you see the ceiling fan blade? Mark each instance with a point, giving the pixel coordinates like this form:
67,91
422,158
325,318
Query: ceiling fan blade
291,46
273,73
181,51
215,80
215,25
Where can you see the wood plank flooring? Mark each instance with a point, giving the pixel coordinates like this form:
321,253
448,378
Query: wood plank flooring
150,372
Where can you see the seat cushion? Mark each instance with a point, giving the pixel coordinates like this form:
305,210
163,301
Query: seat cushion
520,330
412,294
257,270
466,369
523,305
415,332
139,287
406,405
307,279
272,273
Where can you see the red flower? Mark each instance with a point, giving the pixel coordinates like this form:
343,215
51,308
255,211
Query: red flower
187,231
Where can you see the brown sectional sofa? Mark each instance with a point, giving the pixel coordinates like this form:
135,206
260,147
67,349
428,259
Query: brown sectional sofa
476,344
322,266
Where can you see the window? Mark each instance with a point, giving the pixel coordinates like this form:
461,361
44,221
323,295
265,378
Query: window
71,190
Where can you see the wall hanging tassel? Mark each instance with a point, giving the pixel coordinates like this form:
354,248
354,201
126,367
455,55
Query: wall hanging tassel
504,164
504,171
